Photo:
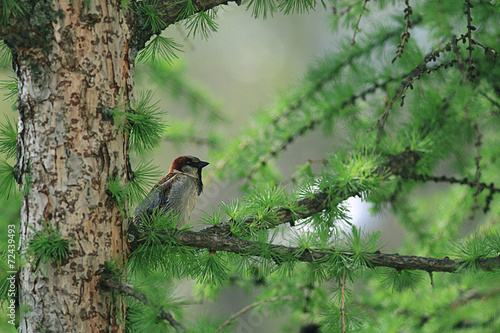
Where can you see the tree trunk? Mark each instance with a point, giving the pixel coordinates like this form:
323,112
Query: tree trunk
68,149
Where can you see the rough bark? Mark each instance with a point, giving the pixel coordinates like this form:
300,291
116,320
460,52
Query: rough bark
67,151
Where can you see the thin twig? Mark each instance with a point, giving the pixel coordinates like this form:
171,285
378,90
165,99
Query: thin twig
342,303
405,36
491,100
342,12
487,50
470,48
460,63
129,291
408,83
463,181
472,295
415,75
384,115
356,26
477,159
381,129
452,180
253,305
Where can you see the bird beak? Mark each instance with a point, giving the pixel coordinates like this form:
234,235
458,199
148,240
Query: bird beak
202,164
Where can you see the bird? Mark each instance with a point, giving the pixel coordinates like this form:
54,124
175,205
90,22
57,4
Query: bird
176,193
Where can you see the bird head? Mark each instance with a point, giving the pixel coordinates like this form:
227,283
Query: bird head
189,165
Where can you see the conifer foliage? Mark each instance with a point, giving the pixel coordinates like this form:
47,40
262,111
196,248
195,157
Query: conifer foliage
410,99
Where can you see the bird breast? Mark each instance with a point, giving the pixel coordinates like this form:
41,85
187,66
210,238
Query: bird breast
183,197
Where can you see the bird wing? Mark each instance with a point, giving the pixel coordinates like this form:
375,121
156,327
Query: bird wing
157,199
165,182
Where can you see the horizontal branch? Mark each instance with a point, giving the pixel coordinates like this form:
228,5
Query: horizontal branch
480,186
129,291
306,207
168,12
376,259
452,180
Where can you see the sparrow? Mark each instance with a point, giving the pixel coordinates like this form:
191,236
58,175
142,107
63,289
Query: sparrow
176,193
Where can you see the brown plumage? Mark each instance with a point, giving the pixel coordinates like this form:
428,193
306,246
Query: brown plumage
176,193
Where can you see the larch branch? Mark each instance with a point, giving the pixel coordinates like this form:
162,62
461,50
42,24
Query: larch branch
214,242
129,291
169,12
